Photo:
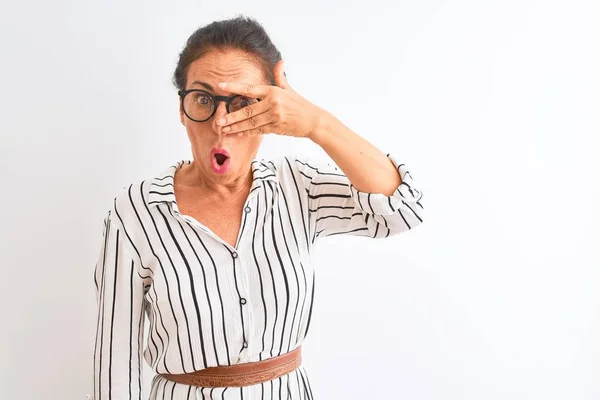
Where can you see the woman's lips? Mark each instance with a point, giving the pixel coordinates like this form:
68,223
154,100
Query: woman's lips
219,160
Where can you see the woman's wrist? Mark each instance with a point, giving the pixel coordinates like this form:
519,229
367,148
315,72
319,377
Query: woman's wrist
326,125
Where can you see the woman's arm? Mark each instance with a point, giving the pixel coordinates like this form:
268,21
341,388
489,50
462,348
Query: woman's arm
367,168
120,319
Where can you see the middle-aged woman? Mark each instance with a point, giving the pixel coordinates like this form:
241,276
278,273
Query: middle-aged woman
216,251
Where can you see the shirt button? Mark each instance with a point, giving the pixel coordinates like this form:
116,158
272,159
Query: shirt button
245,345
243,301
247,209
235,255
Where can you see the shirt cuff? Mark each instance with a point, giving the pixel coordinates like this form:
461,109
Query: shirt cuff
380,204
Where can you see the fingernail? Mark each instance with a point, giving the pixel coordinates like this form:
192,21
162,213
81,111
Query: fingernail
226,129
221,121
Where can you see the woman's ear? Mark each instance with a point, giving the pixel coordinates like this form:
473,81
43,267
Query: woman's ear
280,77
181,115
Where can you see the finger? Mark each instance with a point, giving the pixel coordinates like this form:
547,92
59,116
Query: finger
254,123
280,78
260,130
247,89
244,113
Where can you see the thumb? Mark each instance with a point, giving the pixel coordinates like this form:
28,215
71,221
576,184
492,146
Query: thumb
280,78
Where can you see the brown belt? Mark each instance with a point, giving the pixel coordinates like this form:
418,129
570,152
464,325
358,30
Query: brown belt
238,375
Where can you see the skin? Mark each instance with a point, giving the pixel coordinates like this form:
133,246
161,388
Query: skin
216,200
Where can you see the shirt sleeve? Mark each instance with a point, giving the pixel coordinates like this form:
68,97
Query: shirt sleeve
338,207
118,347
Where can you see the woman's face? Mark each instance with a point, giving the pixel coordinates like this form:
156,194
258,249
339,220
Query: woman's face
208,143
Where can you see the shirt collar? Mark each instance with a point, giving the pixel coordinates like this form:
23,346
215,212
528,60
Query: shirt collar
162,189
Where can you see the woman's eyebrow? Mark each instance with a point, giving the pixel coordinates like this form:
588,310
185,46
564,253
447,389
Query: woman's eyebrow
206,85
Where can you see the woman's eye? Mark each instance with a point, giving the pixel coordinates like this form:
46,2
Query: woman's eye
203,100
245,103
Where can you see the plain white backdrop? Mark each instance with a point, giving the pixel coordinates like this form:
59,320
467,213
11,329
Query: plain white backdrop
493,104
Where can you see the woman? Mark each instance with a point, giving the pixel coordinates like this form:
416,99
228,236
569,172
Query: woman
215,251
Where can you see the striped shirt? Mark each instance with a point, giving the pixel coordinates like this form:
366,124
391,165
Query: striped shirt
164,279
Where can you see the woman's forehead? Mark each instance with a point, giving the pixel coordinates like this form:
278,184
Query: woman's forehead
226,66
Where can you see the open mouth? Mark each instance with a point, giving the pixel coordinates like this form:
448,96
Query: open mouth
219,160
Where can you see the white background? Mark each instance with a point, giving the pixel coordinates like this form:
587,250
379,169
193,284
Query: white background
494,105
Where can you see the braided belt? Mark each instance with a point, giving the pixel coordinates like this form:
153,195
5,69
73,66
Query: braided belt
238,375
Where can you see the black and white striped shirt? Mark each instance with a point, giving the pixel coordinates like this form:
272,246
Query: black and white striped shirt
209,304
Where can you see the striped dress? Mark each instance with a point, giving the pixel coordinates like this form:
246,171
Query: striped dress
173,293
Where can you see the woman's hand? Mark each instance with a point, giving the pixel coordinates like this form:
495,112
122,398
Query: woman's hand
281,110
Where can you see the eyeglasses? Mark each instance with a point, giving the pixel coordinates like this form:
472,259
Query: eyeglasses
199,105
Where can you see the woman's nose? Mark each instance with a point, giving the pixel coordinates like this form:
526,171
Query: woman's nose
219,112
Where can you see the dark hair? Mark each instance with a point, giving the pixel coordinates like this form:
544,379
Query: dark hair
241,33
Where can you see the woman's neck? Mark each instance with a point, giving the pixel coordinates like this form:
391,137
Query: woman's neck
193,176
